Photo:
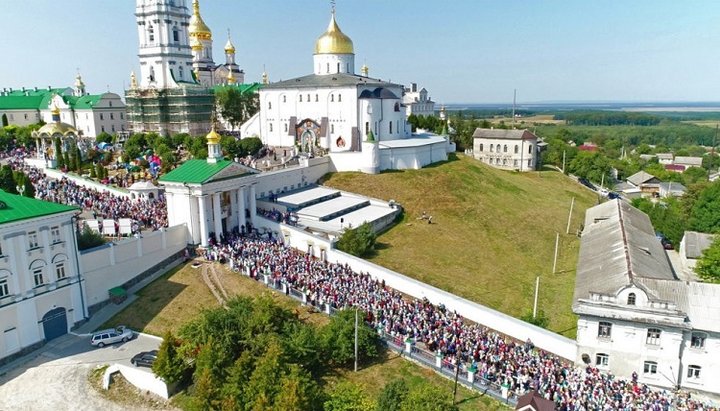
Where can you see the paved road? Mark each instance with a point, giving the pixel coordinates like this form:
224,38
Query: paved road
56,377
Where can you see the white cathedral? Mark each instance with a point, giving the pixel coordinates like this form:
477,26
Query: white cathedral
359,121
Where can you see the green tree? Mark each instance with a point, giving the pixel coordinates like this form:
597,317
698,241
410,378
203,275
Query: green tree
169,365
204,391
392,396
264,383
4,120
236,107
426,397
7,180
93,173
694,175
338,338
103,138
89,239
705,213
59,159
22,180
251,145
708,267
358,241
348,397
541,320
302,344
298,391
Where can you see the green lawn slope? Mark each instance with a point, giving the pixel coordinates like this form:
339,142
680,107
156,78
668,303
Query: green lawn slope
493,232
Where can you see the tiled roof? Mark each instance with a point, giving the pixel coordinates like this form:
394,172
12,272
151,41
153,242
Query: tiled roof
17,208
195,171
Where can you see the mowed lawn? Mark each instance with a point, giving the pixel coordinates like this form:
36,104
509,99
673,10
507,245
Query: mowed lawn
180,295
493,232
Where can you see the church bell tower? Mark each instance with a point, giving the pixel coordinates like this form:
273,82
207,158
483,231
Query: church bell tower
164,52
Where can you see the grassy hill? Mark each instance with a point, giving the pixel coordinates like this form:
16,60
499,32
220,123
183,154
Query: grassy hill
493,232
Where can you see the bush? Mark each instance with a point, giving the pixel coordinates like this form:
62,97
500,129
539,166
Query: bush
358,241
89,239
339,339
541,320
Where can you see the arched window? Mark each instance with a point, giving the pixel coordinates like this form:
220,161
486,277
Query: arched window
284,99
481,147
332,97
338,70
301,98
397,106
37,269
182,72
328,67
491,148
308,97
339,98
516,148
316,98
269,105
530,149
505,148
497,148
367,127
631,299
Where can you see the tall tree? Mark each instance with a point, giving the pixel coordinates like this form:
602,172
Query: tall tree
705,213
298,391
169,365
59,160
4,120
236,107
708,268
7,180
339,339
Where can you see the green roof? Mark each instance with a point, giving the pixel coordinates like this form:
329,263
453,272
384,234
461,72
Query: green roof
243,88
195,171
28,99
87,101
18,208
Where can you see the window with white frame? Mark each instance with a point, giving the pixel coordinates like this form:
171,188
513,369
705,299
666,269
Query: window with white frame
4,287
55,234
38,278
602,360
653,336
604,329
60,270
694,371
650,367
697,340
631,299
33,240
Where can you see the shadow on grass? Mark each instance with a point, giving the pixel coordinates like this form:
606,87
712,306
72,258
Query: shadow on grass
451,157
150,302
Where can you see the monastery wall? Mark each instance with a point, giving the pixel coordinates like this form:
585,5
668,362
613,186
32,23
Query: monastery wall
520,330
309,172
113,265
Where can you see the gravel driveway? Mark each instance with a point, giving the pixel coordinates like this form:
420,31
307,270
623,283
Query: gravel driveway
56,377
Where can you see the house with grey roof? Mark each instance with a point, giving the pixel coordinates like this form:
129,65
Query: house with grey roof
671,189
692,246
647,183
635,314
506,149
688,162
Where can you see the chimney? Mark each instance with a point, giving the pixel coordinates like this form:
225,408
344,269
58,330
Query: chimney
35,88
23,89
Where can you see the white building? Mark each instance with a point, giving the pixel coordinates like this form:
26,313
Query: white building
506,149
635,315
358,120
417,101
41,291
691,248
211,196
90,114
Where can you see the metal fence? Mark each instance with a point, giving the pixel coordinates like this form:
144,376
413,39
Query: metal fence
408,348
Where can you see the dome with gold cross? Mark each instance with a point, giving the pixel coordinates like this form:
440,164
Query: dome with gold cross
334,41
197,27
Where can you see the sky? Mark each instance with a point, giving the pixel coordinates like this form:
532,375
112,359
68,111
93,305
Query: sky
462,51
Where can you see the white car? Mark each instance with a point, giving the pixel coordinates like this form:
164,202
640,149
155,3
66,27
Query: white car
111,336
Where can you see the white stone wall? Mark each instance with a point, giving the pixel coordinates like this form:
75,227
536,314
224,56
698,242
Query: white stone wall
308,173
559,345
21,117
706,357
486,150
112,265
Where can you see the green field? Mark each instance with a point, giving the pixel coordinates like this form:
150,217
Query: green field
493,232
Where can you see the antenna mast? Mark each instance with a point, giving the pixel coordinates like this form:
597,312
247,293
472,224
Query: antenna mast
513,110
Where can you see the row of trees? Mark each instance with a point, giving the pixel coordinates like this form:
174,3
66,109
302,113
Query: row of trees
609,118
256,355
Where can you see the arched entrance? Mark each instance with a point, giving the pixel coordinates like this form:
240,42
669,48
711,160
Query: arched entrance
307,132
55,323
307,141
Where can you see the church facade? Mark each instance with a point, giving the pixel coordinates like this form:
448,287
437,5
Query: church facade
358,120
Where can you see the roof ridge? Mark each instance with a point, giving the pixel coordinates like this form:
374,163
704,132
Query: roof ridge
625,242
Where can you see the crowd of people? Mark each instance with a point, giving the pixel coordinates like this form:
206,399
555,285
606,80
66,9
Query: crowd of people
498,358
150,213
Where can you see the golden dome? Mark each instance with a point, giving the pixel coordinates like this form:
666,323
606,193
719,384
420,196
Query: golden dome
197,27
229,47
195,44
55,111
213,137
334,41
55,129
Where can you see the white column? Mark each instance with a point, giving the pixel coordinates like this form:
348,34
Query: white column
203,222
253,207
241,206
217,217
233,217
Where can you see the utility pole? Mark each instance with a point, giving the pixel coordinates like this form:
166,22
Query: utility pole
563,161
557,243
537,289
356,338
572,203
457,373
513,110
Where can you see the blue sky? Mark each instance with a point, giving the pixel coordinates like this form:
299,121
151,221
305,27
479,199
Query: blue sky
462,51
